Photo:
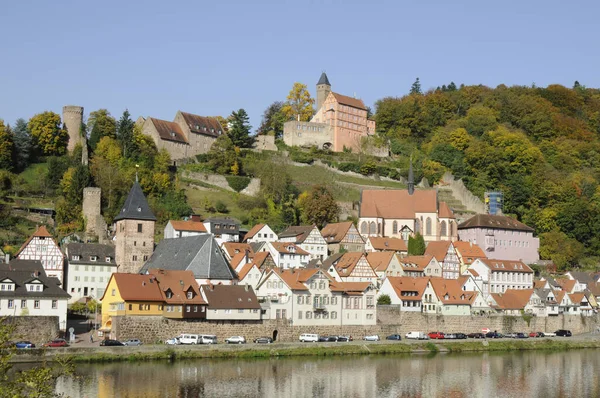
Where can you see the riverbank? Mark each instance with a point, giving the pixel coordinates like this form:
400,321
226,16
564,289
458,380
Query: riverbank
172,353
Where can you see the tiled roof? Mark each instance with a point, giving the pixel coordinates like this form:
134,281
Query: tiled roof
335,232
449,291
245,269
380,260
353,102
202,124
332,260
136,287
397,203
468,250
179,283
566,284
539,284
415,263
301,232
253,231
506,265
261,258
438,249
444,211
169,131
24,271
349,287
348,262
230,297
582,277
407,284
576,297
189,225
559,294
473,272
136,206
284,247
513,299
296,279
233,248
85,251
391,244
492,221
594,288
199,254
40,232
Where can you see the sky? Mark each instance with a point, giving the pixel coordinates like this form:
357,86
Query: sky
210,58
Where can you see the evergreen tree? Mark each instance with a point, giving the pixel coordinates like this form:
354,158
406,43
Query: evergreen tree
451,86
125,134
239,132
272,120
23,146
416,87
416,245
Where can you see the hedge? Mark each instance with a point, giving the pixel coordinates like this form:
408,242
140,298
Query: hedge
237,183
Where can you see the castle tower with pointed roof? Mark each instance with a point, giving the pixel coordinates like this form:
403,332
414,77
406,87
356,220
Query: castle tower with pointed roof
134,237
323,90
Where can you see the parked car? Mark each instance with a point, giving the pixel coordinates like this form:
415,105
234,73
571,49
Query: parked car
111,343
549,334
436,335
373,337
563,333
173,341
511,335
539,334
416,336
522,335
236,340
56,343
331,339
24,344
344,338
493,335
396,337
461,336
207,339
476,335
263,340
533,334
451,336
309,337
132,342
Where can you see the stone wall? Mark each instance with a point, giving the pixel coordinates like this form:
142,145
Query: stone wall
460,192
264,143
389,320
220,181
37,329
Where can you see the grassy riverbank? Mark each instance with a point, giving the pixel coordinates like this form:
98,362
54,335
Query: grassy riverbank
148,353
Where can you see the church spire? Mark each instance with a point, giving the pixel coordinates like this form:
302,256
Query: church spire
411,179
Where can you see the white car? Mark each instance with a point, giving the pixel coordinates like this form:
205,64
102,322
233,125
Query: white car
236,340
371,338
416,336
549,334
173,341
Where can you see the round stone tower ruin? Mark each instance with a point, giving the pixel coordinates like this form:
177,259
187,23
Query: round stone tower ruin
73,119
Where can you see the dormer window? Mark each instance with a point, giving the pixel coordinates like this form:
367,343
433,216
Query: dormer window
93,258
107,259
204,128
190,295
75,258
169,294
139,209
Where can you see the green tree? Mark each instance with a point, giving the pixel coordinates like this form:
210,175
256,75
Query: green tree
222,155
239,129
299,104
318,206
480,119
23,147
273,120
384,299
6,147
101,124
416,245
125,134
416,87
48,136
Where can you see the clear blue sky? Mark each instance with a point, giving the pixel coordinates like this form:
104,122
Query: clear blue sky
209,58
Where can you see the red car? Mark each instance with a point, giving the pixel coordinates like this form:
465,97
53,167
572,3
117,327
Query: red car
436,335
57,343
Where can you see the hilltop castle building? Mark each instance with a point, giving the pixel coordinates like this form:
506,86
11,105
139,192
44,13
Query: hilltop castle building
340,122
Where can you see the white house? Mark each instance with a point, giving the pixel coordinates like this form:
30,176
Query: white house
223,229
446,255
502,275
89,267
405,291
353,267
42,246
180,229
451,298
309,238
385,264
288,255
261,233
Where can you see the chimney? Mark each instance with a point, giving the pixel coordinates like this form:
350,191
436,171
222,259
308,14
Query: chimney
246,256
247,287
195,217
7,258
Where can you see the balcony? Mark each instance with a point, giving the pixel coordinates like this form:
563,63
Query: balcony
319,307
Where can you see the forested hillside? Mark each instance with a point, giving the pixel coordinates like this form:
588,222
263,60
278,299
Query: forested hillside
540,146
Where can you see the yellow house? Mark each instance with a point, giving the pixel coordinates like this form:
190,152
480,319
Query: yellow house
131,295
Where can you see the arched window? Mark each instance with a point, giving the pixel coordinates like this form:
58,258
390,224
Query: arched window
378,228
395,227
443,228
452,228
417,226
372,228
363,228
428,226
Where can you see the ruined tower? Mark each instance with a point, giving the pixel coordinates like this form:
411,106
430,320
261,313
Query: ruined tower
323,90
73,119
94,222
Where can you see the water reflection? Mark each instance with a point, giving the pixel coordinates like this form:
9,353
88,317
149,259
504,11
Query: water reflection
529,374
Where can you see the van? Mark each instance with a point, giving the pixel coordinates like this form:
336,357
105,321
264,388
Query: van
309,337
189,339
208,339
417,335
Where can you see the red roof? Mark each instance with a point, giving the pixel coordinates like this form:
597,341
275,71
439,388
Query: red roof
449,291
284,247
407,284
380,260
192,226
353,102
506,265
397,203
385,244
40,232
136,287
438,249
169,131
415,263
253,231
469,251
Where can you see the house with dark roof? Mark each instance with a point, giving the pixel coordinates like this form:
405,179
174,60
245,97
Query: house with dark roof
185,137
134,231
200,254
231,302
88,270
223,229
182,228
43,247
342,236
26,290
501,237
308,238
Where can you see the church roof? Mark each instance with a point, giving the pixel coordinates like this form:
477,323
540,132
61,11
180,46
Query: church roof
136,206
323,79
397,203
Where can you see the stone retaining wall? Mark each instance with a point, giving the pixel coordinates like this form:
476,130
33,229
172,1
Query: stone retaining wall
37,329
390,320
220,181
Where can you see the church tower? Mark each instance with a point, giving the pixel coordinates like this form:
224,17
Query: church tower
323,90
134,237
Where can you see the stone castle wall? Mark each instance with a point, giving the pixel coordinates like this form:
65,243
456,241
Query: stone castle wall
460,192
37,329
389,320
265,143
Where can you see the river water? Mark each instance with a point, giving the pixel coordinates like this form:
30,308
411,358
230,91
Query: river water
517,374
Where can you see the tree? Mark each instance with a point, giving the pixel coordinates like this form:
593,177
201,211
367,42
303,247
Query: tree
101,124
384,299
273,120
125,133
318,206
222,155
416,245
224,123
299,104
416,87
6,147
23,147
48,136
239,130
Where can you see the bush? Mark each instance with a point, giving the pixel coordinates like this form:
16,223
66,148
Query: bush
368,168
203,157
349,166
384,299
238,183
221,207
301,157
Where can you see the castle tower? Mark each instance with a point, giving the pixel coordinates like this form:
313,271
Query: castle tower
73,119
323,90
94,223
134,237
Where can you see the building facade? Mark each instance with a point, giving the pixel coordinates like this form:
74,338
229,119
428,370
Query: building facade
41,246
89,267
501,275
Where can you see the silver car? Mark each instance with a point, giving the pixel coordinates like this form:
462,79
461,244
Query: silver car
173,341
236,340
371,338
132,342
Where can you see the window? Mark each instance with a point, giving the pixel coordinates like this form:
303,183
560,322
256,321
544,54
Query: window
300,300
308,315
188,308
334,301
134,258
36,304
139,228
54,304
443,228
130,307
113,292
428,226
395,227
11,303
75,258
23,303
92,258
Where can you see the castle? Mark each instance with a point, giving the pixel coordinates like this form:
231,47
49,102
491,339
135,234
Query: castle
340,122
73,122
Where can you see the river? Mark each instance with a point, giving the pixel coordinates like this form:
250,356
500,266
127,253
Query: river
514,374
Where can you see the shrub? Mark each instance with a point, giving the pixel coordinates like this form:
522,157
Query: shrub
384,299
349,166
368,168
301,157
221,207
237,183
203,157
